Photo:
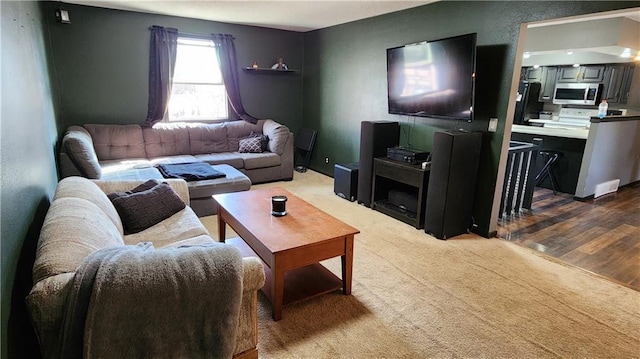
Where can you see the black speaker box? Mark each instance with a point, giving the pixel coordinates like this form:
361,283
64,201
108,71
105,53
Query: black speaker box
375,138
345,180
452,182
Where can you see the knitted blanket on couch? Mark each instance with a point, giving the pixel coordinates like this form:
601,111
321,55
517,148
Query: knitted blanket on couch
139,302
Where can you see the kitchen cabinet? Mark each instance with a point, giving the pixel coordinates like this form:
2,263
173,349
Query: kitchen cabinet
546,75
548,83
587,73
532,74
614,76
627,82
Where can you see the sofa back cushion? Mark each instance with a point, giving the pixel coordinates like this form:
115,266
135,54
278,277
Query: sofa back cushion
278,135
166,140
113,142
78,145
237,130
80,187
73,228
204,138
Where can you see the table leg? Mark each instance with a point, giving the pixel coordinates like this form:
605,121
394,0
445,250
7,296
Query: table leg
347,265
222,227
277,292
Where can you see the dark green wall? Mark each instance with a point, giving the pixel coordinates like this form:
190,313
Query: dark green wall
101,63
98,70
28,137
345,77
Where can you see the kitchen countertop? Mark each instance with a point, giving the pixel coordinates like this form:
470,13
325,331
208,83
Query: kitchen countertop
615,118
550,131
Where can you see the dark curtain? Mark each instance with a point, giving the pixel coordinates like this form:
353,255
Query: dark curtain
162,62
226,52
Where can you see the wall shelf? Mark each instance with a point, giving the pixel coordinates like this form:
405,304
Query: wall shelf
268,71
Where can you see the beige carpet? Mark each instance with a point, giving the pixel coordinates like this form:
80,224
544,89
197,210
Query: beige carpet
468,297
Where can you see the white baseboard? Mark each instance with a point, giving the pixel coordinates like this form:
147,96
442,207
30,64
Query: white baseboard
606,188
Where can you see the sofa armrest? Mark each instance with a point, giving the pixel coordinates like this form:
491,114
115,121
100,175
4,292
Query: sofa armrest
46,303
254,276
179,185
77,145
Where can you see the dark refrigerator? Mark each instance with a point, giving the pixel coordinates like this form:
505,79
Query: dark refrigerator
527,104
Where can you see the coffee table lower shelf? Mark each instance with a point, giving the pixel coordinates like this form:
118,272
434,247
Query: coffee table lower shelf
299,283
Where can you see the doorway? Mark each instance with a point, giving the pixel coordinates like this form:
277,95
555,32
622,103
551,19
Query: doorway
599,235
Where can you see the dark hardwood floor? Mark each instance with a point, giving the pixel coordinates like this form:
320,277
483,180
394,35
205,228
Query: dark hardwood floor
600,235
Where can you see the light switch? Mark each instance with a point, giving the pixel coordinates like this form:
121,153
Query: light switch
493,125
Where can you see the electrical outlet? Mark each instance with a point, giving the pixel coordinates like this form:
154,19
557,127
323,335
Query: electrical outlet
326,160
493,125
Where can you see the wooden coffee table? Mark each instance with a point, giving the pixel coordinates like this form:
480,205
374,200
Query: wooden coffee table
291,246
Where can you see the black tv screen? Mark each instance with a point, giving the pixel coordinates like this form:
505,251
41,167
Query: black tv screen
433,78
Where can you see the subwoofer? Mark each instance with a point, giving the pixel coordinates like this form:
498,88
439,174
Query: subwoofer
375,138
452,183
345,180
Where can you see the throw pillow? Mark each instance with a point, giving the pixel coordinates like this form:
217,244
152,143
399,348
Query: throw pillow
250,145
141,187
141,210
264,140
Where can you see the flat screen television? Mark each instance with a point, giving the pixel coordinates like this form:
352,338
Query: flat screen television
433,78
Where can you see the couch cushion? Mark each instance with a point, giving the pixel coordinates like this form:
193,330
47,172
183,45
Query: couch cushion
166,139
80,187
208,138
143,207
260,160
73,228
117,141
230,158
195,241
182,225
77,143
174,159
278,135
237,130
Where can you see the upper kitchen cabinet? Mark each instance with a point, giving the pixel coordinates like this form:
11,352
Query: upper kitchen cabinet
532,74
628,87
587,73
546,75
614,78
548,83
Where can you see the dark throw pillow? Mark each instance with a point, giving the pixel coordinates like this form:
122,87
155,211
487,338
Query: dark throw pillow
145,208
264,140
250,145
141,187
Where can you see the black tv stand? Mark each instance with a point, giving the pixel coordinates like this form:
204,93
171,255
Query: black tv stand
411,180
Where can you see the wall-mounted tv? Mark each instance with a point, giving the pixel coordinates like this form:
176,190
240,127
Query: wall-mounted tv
433,78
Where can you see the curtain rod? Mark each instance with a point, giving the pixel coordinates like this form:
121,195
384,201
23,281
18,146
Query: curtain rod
187,34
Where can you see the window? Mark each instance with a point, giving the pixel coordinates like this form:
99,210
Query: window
198,93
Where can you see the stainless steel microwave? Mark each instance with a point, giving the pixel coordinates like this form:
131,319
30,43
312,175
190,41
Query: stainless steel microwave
577,94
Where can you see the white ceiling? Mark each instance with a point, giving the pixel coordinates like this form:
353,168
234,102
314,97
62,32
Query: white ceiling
294,15
586,39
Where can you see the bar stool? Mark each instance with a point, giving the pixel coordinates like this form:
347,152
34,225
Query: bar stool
551,158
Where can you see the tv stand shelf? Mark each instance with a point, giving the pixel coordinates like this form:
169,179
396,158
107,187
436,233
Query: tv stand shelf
411,180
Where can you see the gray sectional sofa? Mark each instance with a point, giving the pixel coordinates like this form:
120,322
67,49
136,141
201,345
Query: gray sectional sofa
238,149
110,152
